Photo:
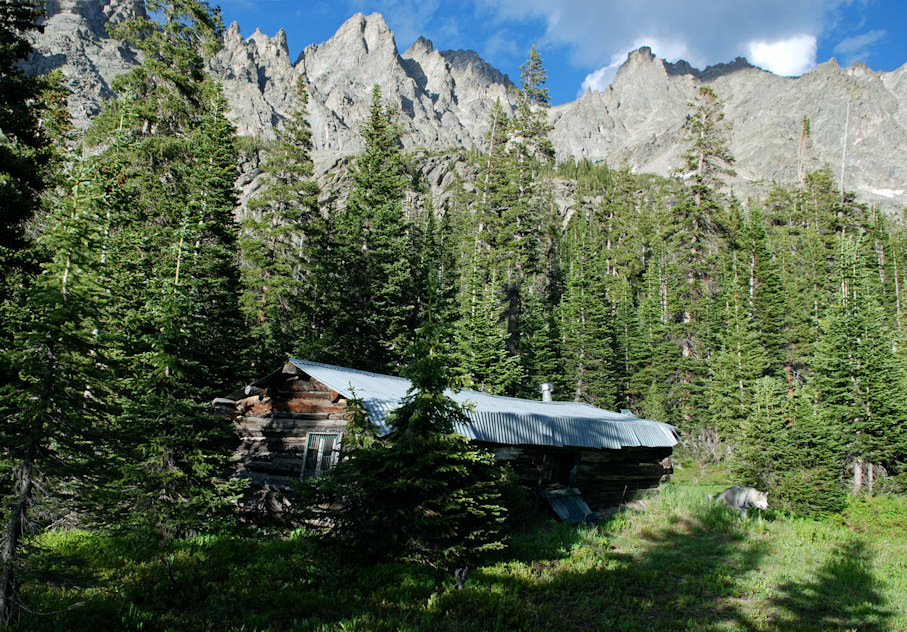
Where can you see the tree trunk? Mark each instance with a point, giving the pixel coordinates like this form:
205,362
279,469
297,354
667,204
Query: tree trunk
858,476
17,518
11,536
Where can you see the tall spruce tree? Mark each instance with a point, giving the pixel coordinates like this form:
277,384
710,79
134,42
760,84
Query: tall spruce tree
276,244
46,299
27,157
376,297
857,379
481,336
654,386
588,321
53,410
740,359
695,233
766,302
708,156
514,220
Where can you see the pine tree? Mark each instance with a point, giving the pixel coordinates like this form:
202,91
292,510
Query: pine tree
695,236
532,127
53,409
807,478
514,219
423,493
763,443
740,360
857,379
47,301
27,157
766,294
540,348
589,337
166,87
481,336
373,240
654,387
173,292
276,246
180,345
708,156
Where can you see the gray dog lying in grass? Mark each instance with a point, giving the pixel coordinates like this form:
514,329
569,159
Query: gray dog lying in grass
742,498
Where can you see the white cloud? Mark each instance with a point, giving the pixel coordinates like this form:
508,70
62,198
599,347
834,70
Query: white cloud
600,79
789,57
857,48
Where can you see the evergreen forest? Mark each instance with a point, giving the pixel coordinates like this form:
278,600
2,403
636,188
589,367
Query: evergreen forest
769,331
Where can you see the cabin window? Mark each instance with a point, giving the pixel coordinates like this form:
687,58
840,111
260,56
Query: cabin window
321,452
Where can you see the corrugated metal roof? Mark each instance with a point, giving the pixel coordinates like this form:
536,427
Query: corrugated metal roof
503,420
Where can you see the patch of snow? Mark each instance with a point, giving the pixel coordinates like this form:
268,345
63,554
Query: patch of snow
887,193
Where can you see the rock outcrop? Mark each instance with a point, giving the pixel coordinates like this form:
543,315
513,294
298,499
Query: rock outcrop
75,40
444,99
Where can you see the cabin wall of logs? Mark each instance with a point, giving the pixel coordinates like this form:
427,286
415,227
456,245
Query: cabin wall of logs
604,477
274,425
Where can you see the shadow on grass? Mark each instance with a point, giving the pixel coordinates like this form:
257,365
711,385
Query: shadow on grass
700,572
685,575
842,596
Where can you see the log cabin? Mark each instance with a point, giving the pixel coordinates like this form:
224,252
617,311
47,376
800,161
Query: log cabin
291,424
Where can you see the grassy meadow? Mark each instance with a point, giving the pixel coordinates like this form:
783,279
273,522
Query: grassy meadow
679,562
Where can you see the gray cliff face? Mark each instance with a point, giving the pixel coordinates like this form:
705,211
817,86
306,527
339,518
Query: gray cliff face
75,41
637,122
445,97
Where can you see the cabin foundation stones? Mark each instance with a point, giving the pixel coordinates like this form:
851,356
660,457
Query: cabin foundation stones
290,425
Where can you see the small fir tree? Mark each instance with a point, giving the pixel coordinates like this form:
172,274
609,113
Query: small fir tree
423,493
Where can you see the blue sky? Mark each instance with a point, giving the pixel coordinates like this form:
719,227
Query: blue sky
582,42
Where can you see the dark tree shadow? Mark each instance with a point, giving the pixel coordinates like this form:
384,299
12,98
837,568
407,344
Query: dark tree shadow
842,596
685,576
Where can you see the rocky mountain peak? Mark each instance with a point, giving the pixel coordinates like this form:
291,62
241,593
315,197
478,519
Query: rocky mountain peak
640,56
420,48
713,72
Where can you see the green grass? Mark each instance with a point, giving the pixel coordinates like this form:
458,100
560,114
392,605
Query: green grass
681,563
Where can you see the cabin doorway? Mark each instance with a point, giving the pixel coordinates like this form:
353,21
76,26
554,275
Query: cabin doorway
563,469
